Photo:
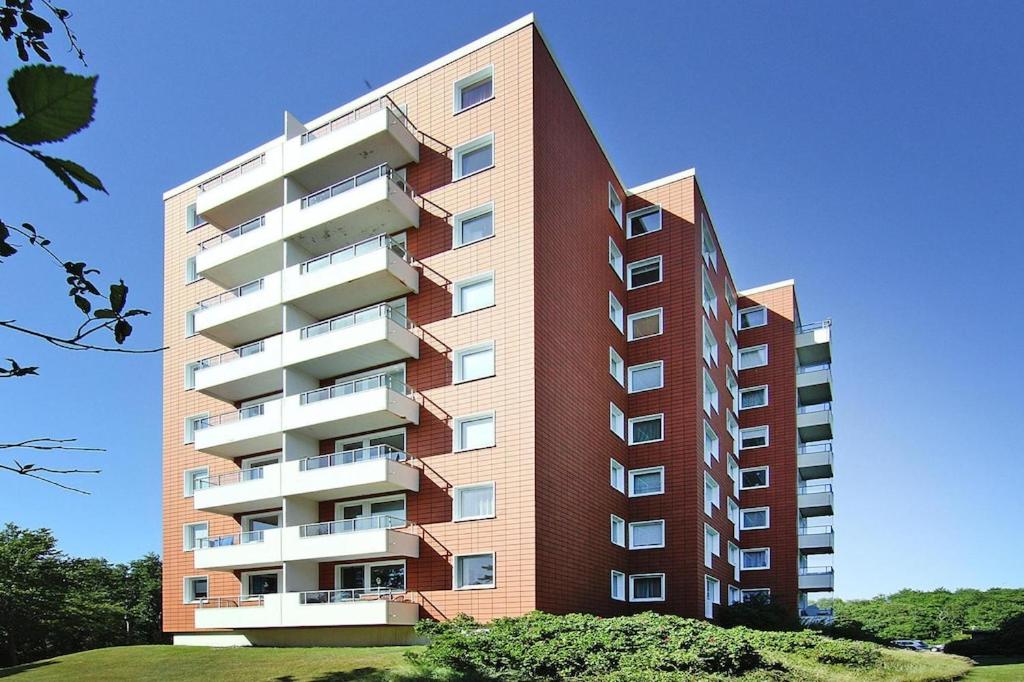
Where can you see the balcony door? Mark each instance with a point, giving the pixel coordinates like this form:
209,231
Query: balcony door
370,578
370,514
258,583
253,525
364,447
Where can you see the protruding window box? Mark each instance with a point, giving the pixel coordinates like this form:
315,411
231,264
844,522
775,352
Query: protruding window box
816,579
239,491
239,315
371,337
244,190
817,540
350,607
252,549
814,422
814,461
243,253
239,613
814,343
256,428
367,404
367,537
814,384
378,469
374,270
815,500
252,369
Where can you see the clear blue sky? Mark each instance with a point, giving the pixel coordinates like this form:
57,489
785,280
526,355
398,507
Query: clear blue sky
874,152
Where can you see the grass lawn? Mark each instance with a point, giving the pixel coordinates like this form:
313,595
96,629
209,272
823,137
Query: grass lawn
896,666
997,669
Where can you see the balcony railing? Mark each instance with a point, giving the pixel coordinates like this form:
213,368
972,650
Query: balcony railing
234,172
230,417
230,478
231,602
347,253
811,326
340,596
232,355
371,314
815,570
231,294
814,368
814,448
355,386
245,538
381,171
815,530
352,457
345,119
820,407
237,231
813,489
374,522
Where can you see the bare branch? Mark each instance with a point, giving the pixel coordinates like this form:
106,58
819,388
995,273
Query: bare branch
49,444
62,16
73,343
47,480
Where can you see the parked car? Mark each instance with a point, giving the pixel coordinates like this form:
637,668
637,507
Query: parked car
938,648
911,644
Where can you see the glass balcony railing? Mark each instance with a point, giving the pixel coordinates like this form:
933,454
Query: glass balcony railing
372,522
231,294
357,114
230,478
813,448
245,538
230,417
352,457
357,317
811,326
820,407
358,180
232,355
347,253
233,172
814,368
355,386
237,231
815,570
816,530
814,489
342,596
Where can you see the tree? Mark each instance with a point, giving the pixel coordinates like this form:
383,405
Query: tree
31,585
52,105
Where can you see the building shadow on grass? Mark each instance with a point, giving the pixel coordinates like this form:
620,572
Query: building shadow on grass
11,672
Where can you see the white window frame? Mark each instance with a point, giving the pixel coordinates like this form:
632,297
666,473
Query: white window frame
189,380
244,577
715,500
616,366
188,479
455,571
472,79
653,312
616,313
753,591
708,249
615,258
190,323
617,476
615,204
618,586
617,420
459,421
660,417
188,591
712,545
191,274
767,556
457,516
733,512
732,425
735,595
366,566
642,212
458,220
751,309
659,364
734,559
635,576
763,388
189,427
708,295
767,518
660,470
767,441
716,595
458,355
618,530
709,344
186,535
767,481
711,453
652,522
471,146
457,288
732,469
640,263
710,389
739,359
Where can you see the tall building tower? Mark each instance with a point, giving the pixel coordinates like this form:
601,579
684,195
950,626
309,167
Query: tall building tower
428,356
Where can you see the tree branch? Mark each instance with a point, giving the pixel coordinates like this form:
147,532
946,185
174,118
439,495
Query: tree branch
74,343
23,472
49,444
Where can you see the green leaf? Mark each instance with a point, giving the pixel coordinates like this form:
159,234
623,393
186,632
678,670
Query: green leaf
68,172
118,295
83,304
104,314
53,103
122,330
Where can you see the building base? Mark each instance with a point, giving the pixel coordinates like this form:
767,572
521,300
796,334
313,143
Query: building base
296,637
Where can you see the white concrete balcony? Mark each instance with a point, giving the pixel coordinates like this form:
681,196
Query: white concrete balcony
244,253
297,609
367,404
814,343
377,133
248,189
814,384
237,613
815,500
370,271
371,337
817,540
239,315
256,428
814,461
817,579
252,369
376,470
253,549
376,201
814,422
366,537
241,491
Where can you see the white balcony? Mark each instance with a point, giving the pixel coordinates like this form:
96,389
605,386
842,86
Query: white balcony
242,432
374,270
814,384
376,133
248,189
816,580
239,315
253,549
369,537
815,500
376,470
376,201
241,491
348,343
814,461
244,253
299,609
817,540
234,613
252,369
369,404
814,422
814,343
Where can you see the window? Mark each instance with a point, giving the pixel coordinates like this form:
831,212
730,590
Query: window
473,157
755,356
472,502
191,477
710,351
190,322
712,544
190,375
190,426
709,299
649,481
616,366
647,534
192,219
730,298
256,583
196,589
644,221
733,512
618,531
732,385
707,242
733,427
193,533
473,226
646,377
756,477
381,574
756,594
644,273
710,394
615,311
754,519
614,257
474,571
712,595
647,587
617,421
712,494
753,317
734,560
755,559
474,89
756,396
648,429
618,586
615,204
191,274
710,443
618,476
475,362
730,341
645,324
735,595
754,437
474,432
474,293
733,470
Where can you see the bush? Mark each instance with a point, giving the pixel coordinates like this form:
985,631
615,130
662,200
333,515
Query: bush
852,654
1007,640
760,612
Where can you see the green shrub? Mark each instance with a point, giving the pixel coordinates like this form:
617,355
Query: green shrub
852,654
760,612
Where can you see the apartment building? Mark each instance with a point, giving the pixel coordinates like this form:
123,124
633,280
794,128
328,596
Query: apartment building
427,355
